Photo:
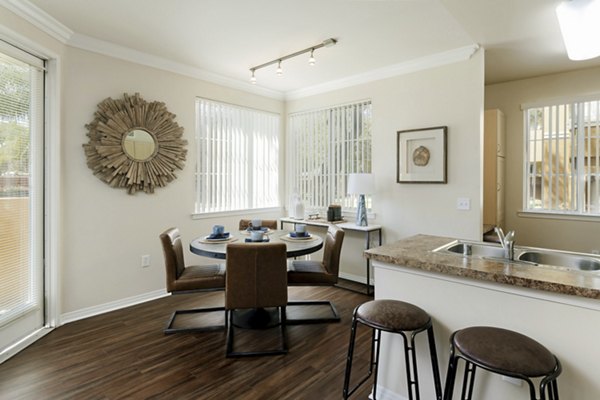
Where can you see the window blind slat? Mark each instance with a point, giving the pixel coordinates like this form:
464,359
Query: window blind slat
234,166
330,144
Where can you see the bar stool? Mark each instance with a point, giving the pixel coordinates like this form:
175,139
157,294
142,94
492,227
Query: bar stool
504,352
396,317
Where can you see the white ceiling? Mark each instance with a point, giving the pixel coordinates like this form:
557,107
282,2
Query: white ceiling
227,37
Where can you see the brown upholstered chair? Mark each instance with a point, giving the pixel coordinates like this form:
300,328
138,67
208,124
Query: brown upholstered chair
266,223
318,273
193,278
256,280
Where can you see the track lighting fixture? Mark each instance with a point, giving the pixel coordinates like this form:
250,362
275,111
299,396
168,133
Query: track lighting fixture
311,61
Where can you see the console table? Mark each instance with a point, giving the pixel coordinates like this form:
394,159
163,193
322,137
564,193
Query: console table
349,226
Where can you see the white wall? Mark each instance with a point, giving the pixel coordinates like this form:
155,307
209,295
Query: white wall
449,95
508,97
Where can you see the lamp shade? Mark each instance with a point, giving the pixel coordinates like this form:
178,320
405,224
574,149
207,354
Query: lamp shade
580,28
360,184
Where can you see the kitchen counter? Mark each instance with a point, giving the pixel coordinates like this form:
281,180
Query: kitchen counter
557,307
417,252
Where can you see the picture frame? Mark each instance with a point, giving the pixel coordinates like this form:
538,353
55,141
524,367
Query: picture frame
422,155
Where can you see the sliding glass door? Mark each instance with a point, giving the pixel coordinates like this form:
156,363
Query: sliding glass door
21,195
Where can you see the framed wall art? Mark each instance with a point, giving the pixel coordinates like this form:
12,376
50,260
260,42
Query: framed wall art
421,155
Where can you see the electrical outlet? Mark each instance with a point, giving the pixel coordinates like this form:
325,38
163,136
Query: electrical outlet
146,260
463,203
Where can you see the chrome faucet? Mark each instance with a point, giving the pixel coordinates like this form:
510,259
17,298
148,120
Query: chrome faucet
507,242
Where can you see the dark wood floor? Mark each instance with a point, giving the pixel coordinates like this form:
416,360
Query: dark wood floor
124,354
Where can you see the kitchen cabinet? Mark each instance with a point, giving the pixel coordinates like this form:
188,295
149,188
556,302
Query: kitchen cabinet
494,153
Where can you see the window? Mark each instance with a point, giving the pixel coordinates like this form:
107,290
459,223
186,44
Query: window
238,158
562,165
21,192
324,146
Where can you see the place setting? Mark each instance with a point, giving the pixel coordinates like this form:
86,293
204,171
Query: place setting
218,235
299,234
257,232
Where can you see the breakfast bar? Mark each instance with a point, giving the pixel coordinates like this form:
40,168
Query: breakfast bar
556,306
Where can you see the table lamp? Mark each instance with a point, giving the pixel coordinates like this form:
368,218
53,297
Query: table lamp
361,184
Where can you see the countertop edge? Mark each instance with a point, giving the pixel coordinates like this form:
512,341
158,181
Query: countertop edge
417,252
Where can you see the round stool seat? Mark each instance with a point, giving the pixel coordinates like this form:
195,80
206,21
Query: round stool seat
392,315
504,350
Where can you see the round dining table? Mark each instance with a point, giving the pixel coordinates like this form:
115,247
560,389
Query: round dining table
256,318
296,247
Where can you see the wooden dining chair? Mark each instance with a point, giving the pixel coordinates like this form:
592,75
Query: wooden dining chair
318,273
266,223
256,280
182,279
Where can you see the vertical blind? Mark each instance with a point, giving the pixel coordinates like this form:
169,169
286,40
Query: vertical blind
324,146
21,189
563,158
238,158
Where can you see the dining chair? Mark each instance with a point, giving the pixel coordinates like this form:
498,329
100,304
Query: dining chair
256,281
318,273
266,223
182,279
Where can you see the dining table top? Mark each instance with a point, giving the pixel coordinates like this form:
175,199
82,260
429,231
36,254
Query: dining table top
296,247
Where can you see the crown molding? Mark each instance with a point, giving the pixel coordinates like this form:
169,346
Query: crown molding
39,18
89,43
45,22
418,64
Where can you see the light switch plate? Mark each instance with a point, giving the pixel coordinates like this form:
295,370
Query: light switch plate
146,260
463,203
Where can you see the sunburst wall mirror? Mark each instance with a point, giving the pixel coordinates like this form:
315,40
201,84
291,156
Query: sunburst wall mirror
134,144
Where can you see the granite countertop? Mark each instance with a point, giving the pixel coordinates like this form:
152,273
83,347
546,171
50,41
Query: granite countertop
417,252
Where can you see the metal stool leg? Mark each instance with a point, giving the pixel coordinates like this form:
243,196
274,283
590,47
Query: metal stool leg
411,378
345,393
375,364
450,375
468,380
374,360
434,364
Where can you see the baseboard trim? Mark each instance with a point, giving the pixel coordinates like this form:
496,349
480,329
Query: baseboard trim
111,306
15,348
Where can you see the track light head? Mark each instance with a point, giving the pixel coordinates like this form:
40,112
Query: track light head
311,60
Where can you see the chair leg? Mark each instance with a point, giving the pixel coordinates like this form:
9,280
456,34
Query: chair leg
170,330
298,321
231,334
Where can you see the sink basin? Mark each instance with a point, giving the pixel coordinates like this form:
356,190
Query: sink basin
529,255
477,249
568,260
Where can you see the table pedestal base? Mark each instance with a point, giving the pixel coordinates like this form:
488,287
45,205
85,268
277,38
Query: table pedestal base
256,318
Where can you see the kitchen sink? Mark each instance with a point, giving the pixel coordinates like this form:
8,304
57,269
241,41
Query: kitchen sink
568,260
476,249
526,255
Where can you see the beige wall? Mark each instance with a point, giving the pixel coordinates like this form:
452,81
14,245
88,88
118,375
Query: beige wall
508,97
106,230
450,95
